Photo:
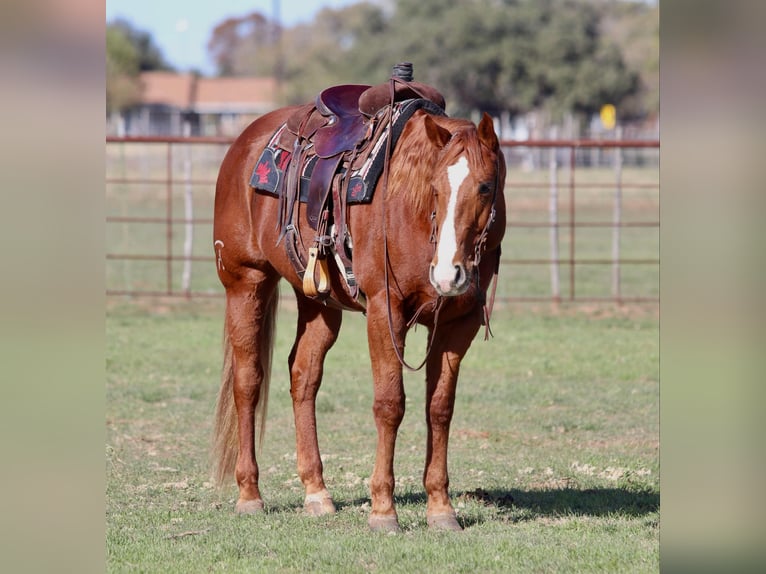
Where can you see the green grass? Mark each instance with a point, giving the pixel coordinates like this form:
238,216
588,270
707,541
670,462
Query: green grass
553,455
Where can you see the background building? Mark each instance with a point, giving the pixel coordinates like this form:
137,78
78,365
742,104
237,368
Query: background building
173,104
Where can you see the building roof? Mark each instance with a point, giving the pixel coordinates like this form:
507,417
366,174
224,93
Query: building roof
235,94
209,95
166,88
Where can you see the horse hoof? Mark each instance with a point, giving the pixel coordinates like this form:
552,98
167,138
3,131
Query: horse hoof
319,504
385,524
444,522
249,506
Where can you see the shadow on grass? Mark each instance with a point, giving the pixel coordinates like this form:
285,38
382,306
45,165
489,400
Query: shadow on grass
569,501
525,505
482,506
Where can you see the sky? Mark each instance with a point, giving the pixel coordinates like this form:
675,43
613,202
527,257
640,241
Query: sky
181,28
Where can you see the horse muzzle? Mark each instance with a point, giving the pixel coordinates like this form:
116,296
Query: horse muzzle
449,280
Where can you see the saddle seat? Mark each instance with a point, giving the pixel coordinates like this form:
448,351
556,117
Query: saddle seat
346,126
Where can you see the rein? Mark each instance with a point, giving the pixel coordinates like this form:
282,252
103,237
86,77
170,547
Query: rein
480,242
437,305
439,300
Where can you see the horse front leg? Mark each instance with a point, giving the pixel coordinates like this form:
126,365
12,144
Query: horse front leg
318,328
450,345
388,410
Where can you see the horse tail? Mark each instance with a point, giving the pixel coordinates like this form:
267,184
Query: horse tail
225,428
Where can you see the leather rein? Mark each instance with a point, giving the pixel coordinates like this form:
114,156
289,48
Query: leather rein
438,303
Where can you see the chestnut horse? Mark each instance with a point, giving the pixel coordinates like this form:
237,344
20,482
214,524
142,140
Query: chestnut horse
425,249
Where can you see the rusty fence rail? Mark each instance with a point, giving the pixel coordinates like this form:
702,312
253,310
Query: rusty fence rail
563,154
166,188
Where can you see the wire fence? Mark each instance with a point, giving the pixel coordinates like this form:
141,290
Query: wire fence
582,219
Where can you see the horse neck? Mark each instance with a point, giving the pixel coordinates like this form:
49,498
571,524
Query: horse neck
411,174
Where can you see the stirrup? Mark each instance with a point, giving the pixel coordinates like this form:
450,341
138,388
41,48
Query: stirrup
310,287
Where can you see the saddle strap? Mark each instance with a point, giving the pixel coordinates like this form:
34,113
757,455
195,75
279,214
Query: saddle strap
293,253
339,194
290,196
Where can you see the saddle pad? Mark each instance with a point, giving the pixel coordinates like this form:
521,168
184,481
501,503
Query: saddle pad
269,172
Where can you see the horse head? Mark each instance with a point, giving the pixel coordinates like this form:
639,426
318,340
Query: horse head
469,175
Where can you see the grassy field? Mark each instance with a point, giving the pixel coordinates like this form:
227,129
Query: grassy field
554,452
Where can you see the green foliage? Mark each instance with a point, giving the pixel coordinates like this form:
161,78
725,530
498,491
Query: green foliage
328,52
148,54
121,53
128,52
516,56
122,86
558,56
634,29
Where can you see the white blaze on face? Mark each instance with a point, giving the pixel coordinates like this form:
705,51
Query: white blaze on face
444,271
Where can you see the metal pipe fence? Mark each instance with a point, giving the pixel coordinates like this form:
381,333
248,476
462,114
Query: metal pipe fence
167,185
571,261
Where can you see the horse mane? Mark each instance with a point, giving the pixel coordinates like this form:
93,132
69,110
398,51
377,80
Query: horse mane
415,158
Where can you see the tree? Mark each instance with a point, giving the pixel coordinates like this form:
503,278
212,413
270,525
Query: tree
245,46
633,28
499,56
315,55
515,55
128,53
339,46
149,55
122,86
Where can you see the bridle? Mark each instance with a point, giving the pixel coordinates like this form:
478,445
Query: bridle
438,303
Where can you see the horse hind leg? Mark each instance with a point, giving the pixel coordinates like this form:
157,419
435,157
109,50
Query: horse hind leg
318,328
251,306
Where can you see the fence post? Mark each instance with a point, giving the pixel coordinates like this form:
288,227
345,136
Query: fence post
188,215
617,220
572,222
553,217
169,219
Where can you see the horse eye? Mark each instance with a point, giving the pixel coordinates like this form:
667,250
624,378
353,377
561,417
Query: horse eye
484,188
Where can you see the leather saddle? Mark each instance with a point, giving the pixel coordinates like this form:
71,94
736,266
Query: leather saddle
339,121
325,139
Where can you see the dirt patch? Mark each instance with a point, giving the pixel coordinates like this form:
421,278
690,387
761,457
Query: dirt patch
471,433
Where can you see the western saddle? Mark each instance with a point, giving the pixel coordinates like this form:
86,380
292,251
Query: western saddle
321,155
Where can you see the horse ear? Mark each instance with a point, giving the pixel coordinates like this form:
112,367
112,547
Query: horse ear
437,134
487,132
